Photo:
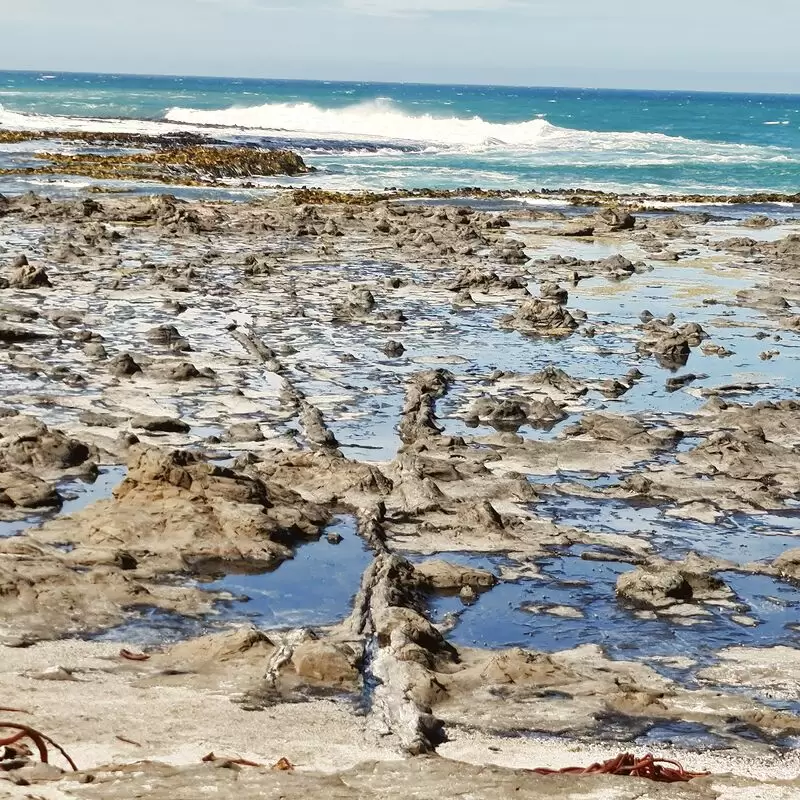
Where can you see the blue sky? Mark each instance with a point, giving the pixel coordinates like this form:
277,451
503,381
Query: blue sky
693,44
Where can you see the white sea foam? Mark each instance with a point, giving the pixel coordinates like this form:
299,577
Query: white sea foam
376,120
384,124
14,120
370,146
544,202
383,120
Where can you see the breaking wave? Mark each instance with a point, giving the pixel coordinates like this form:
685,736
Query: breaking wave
382,127
385,121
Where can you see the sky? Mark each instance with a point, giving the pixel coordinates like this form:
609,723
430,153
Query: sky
731,45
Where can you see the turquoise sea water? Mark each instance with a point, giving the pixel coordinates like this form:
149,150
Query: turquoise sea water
407,135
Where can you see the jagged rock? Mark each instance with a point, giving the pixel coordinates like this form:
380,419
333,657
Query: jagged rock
175,511
325,476
612,220
419,412
744,454
501,414
245,432
407,653
716,350
739,244
754,298
623,430
616,265
445,576
183,372
478,279
553,378
611,387
577,230
29,277
512,251
70,253
44,597
159,424
509,415
99,419
65,319
332,229
540,317
168,336
552,291
14,334
494,223
788,564
679,381
789,245
667,584
393,349
325,663
22,490
95,350
317,433
123,365
669,346
358,303
27,443
258,265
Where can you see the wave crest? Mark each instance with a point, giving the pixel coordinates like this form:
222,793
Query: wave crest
384,128
377,119
381,119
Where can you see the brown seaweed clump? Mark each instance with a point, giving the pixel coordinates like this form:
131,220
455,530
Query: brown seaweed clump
192,164
576,197
114,138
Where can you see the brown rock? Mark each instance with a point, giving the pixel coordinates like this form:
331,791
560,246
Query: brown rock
29,277
160,424
541,317
175,511
667,584
123,365
22,490
446,576
325,663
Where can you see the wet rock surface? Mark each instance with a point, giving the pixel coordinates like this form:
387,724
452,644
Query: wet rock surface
196,163
175,512
664,587
570,523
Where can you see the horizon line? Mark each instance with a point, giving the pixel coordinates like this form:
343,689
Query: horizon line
404,82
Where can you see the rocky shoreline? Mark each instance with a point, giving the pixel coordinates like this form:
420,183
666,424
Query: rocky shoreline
185,158
577,196
565,442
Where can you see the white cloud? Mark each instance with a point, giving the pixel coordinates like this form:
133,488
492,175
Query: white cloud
383,8
423,7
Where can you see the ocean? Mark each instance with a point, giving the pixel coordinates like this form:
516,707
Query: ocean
381,135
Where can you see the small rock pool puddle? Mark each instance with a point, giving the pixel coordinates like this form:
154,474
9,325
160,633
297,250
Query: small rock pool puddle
740,538
315,588
572,602
77,494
